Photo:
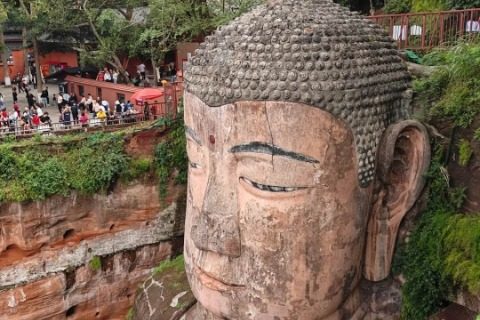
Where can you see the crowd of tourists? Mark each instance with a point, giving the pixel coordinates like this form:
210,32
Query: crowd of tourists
73,111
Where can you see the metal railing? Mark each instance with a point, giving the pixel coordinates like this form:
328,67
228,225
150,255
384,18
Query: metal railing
14,128
424,31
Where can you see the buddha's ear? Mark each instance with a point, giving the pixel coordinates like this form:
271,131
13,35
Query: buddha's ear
403,158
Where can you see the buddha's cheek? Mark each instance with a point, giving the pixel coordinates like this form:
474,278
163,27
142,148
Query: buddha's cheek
272,238
297,248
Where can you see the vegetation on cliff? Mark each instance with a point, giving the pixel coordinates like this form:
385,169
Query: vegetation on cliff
38,168
453,91
443,252
171,155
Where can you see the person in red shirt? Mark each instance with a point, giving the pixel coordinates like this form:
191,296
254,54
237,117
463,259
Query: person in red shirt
4,119
35,120
16,107
84,119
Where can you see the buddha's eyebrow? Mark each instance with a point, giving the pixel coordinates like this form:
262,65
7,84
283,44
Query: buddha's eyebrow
260,147
192,134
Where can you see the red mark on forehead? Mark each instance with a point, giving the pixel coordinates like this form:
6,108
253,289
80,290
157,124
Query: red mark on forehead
211,138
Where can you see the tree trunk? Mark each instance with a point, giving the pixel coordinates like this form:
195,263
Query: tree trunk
372,8
419,70
25,50
154,66
119,66
6,71
38,69
155,72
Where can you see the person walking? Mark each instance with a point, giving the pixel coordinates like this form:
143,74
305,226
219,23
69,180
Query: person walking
141,70
44,96
30,100
146,111
74,109
60,102
19,81
14,94
67,115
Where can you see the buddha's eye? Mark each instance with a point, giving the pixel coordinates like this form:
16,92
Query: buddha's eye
270,188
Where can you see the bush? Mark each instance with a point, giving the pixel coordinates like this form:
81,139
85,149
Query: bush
176,264
95,264
171,155
463,4
443,252
398,6
453,90
138,168
429,5
36,171
465,152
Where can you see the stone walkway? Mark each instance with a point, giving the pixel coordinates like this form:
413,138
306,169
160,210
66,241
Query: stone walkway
22,100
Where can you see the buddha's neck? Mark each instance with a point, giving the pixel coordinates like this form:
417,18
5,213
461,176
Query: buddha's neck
352,309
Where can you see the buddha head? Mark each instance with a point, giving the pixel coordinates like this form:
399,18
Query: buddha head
302,162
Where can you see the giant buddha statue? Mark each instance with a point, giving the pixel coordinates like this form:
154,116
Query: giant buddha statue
302,163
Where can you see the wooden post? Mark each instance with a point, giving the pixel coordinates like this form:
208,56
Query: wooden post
440,37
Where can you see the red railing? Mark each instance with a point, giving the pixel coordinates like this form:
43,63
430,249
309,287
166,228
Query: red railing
424,31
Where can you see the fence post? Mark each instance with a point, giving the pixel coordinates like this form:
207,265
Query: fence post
440,38
424,30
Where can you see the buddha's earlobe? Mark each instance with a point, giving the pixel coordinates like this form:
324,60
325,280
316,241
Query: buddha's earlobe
403,158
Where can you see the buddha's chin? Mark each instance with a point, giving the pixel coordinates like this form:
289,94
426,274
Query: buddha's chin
214,296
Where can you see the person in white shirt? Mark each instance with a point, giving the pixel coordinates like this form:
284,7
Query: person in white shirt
90,103
107,77
141,70
39,111
115,76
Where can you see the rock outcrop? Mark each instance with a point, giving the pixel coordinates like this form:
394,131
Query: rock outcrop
84,256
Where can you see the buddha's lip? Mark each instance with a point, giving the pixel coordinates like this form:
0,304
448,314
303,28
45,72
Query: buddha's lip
213,283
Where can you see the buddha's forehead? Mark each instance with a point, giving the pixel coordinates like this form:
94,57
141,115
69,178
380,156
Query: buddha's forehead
290,125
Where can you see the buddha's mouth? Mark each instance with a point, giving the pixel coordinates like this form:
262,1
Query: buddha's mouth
213,283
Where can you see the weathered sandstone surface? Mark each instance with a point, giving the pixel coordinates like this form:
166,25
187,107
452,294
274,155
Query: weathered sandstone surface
46,265
84,257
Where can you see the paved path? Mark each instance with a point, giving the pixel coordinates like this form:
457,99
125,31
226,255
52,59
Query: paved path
22,100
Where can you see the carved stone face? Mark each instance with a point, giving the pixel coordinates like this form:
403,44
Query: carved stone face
276,218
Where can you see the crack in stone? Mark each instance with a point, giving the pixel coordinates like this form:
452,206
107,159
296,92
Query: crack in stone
271,134
145,289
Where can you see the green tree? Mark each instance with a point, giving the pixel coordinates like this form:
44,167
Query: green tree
169,22
3,48
172,21
115,25
40,19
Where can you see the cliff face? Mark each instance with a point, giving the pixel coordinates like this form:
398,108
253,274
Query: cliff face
83,257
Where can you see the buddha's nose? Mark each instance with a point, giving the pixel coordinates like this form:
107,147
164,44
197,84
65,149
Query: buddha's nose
216,227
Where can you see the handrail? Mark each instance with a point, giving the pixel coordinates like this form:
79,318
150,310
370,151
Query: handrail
426,30
421,13
120,120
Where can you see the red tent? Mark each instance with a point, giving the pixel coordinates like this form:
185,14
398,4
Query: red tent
146,94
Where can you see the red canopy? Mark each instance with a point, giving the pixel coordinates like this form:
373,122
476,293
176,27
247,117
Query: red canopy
146,94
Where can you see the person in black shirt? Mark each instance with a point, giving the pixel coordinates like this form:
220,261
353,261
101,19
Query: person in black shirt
67,113
75,112
14,94
30,100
